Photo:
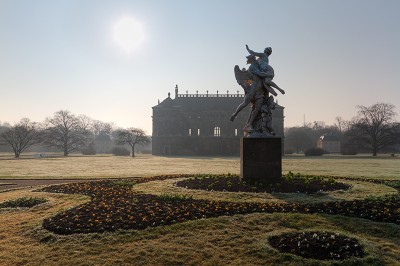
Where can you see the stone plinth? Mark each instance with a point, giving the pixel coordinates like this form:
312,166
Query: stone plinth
260,159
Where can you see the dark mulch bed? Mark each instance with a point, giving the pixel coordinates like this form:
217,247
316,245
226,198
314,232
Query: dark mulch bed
318,245
115,206
287,184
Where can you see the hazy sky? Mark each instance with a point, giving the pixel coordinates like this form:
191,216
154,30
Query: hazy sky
329,56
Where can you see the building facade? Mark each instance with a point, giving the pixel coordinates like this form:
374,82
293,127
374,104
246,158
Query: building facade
329,143
199,124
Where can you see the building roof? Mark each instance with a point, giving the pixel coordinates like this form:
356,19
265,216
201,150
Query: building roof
203,101
168,102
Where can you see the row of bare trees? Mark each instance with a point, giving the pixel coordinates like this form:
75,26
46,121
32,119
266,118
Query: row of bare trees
67,132
374,129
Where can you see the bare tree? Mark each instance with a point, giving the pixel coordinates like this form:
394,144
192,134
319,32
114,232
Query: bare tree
131,136
341,124
85,121
102,132
4,125
21,136
67,132
374,127
102,128
318,125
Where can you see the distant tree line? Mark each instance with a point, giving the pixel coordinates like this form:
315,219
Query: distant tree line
67,132
373,130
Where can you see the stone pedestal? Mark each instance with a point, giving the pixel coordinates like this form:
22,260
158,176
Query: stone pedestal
260,159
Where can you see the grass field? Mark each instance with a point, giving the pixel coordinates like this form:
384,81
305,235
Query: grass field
148,165
233,240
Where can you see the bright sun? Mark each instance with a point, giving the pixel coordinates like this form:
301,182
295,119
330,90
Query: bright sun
128,33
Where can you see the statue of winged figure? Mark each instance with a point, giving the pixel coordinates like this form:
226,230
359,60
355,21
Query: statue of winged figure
263,59
257,84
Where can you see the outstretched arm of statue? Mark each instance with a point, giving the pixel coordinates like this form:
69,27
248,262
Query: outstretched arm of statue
254,53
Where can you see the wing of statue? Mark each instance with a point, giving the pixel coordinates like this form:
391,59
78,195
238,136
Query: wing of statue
243,77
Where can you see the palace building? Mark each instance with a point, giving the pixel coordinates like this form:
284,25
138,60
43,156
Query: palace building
199,124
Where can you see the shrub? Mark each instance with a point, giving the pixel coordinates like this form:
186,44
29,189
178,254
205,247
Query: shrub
315,152
89,150
175,197
124,183
348,151
120,151
289,151
22,202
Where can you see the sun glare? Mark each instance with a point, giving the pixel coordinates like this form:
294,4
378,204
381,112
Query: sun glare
128,34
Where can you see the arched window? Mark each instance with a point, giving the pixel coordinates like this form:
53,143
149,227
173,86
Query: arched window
217,131
236,131
198,132
190,132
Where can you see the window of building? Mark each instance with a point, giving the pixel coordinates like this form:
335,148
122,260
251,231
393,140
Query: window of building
236,131
198,132
217,131
190,132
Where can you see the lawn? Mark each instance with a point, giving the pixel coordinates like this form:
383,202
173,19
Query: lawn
107,166
240,239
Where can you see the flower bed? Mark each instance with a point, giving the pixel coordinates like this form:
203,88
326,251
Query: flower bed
115,206
289,183
318,245
22,203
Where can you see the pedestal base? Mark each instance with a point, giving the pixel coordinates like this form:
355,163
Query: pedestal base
260,160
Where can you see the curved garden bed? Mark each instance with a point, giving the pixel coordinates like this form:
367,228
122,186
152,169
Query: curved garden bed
318,245
114,205
289,183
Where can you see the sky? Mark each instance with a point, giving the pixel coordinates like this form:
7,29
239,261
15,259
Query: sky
329,56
